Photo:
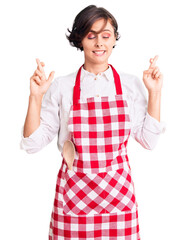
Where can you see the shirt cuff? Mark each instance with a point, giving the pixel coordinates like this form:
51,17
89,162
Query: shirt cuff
153,125
31,142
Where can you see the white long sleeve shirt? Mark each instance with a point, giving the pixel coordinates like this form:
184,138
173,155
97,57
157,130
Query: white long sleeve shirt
59,98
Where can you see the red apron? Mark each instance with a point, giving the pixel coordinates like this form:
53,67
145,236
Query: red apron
96,200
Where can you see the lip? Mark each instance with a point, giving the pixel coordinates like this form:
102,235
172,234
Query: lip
99,52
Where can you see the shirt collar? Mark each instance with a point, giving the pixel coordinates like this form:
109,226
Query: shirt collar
107,73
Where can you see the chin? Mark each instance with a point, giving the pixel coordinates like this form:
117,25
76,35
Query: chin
100,61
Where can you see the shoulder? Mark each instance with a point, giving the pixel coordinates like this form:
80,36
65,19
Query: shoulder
64,84
62,87
131,83
128,79
66,81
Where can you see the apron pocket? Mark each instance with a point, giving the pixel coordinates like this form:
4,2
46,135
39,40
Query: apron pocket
97,193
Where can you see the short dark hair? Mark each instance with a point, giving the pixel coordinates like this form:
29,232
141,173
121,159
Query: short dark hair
84,21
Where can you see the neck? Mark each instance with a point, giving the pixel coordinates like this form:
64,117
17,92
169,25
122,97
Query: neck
95,68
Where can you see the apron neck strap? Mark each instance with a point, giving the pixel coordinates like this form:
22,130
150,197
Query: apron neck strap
117,81
77,89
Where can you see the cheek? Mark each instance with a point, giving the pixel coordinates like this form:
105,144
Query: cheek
110,46
86,45
111,43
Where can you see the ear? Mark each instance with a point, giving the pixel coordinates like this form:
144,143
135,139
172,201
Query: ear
81,46
114,43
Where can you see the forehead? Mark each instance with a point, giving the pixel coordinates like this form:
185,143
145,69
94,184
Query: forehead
102,25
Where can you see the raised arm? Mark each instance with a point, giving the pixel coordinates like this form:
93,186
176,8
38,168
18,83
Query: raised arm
39,84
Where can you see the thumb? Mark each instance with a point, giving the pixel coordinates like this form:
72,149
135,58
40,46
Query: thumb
146,72
51,76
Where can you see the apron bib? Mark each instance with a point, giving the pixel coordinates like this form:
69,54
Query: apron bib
100,185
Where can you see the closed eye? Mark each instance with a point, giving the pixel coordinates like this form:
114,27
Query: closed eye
106,35
91,36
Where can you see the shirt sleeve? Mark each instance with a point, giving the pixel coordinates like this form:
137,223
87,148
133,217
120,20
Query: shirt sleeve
144,128
49,122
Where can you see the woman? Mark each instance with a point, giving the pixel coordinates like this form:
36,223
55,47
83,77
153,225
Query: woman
96,108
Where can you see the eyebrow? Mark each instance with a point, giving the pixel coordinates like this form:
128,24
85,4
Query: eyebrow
104,30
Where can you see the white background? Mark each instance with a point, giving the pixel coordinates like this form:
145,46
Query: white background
36,29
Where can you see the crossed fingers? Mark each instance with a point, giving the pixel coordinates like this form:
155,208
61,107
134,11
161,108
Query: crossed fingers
153,69
39,74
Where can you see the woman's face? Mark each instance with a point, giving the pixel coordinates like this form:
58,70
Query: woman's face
98,47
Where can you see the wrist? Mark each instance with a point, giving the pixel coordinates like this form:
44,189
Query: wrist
154,93
154,101
35,98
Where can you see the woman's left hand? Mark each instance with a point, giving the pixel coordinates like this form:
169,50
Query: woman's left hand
153,78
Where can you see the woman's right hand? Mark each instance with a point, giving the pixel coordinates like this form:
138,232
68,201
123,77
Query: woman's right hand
38,82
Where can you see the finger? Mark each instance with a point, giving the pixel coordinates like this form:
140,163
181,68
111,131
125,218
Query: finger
42,64
33,75
38,73
39,65
37,80
157,75
153,61
41,75
51,76
146,74
149,71
155,70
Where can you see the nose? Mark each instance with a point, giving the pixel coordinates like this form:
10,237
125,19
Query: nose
98,43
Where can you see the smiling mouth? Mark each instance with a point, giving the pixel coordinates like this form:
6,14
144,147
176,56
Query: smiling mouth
99,52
